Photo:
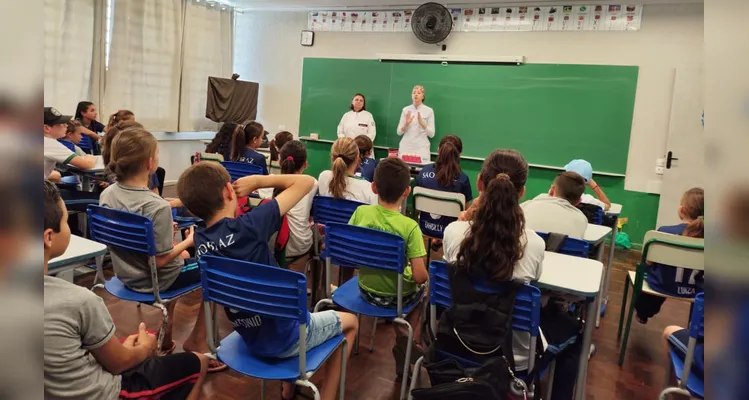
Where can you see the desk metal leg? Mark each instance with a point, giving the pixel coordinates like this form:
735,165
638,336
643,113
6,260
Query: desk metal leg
610,266
600,288
582,368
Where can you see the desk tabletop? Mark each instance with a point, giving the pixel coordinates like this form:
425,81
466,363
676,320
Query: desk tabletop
79,249
596,233
574,275
615,209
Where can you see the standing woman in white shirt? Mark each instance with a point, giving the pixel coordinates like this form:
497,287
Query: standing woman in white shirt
416,126
358,121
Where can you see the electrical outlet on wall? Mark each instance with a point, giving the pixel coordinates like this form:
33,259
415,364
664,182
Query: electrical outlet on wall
659,170
660,162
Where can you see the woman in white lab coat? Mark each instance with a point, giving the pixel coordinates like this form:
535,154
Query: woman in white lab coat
358,121
416,126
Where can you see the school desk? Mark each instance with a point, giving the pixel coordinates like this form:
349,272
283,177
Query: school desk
79,251
578,277
87,174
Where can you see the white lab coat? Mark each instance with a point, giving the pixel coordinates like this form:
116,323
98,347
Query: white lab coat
415,138
354,124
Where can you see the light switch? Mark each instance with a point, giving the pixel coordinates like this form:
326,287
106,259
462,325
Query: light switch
660,162
659,170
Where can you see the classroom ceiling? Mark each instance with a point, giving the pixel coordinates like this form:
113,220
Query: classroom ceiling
395,4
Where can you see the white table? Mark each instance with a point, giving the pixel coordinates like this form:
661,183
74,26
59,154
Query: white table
580,277
615,210
79,251
86,174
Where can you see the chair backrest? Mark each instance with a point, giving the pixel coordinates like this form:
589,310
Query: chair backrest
86,144
239,169
67,143
355,246
571,246
329,209
697,324
437,202
675,250
526,315
121,229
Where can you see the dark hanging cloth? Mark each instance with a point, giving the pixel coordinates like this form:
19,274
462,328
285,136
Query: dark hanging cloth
231,100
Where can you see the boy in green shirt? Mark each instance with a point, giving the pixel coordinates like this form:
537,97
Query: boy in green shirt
392,186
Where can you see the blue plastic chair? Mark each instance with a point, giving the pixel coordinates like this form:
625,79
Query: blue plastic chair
270,292
132,232
350,246
689,383
86,144
67,143
526,315
239,169
571,246
185,221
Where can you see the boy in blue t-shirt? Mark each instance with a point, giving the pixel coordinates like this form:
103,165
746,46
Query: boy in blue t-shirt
444,175
246,238
368,164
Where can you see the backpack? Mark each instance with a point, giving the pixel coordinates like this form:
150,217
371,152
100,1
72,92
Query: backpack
474,337
592,212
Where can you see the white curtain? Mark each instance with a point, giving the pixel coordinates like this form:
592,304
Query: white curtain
68,52
145,62
207,51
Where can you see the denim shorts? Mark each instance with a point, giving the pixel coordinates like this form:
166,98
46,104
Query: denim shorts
323,326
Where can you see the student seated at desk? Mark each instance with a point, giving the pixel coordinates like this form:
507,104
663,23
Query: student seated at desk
494,244
293,158
119,117
73,135
83,358
340,181
221,143
55,126
276,144
368,164
246,238
245,143
445,175
557,212
585,170
85,113
392,186
134,158
674,281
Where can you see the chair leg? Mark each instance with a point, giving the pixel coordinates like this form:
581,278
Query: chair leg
429,250
550,381
415,376
358,333
344,361
311,386
164,321
407,363
372,336
624,304
628,326
262,389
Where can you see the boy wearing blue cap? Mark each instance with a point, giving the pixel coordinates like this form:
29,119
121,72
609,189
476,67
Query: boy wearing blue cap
585,170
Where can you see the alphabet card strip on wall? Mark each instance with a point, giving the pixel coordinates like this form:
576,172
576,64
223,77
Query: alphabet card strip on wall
612,17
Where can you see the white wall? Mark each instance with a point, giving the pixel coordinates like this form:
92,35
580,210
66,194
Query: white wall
267,51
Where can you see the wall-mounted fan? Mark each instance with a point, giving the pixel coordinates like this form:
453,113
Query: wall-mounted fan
431,23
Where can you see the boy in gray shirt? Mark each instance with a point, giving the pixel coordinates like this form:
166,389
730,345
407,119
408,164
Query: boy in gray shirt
83,359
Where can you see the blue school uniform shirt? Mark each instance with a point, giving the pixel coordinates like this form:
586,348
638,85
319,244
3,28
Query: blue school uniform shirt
246,238
94,126
367,168
680,282
250,156
431,224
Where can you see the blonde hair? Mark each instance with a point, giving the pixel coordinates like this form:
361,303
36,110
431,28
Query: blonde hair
343,154
130,150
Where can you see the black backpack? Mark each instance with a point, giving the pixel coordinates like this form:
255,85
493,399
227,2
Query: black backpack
471,356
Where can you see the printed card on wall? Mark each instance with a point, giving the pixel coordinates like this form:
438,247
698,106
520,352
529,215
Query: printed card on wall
483,19
470,20
632,17
553,18
356,21
614,18
582,15
525,20
567,23
365,22
335,21
387,23
538,19
511,19
325,18
376,17
597,18
315,23
346,21
496,20
457,15
407,20
397,17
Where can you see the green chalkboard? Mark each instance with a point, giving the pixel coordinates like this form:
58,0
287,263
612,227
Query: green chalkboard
550,112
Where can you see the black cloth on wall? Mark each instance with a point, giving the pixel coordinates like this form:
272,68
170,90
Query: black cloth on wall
231,100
